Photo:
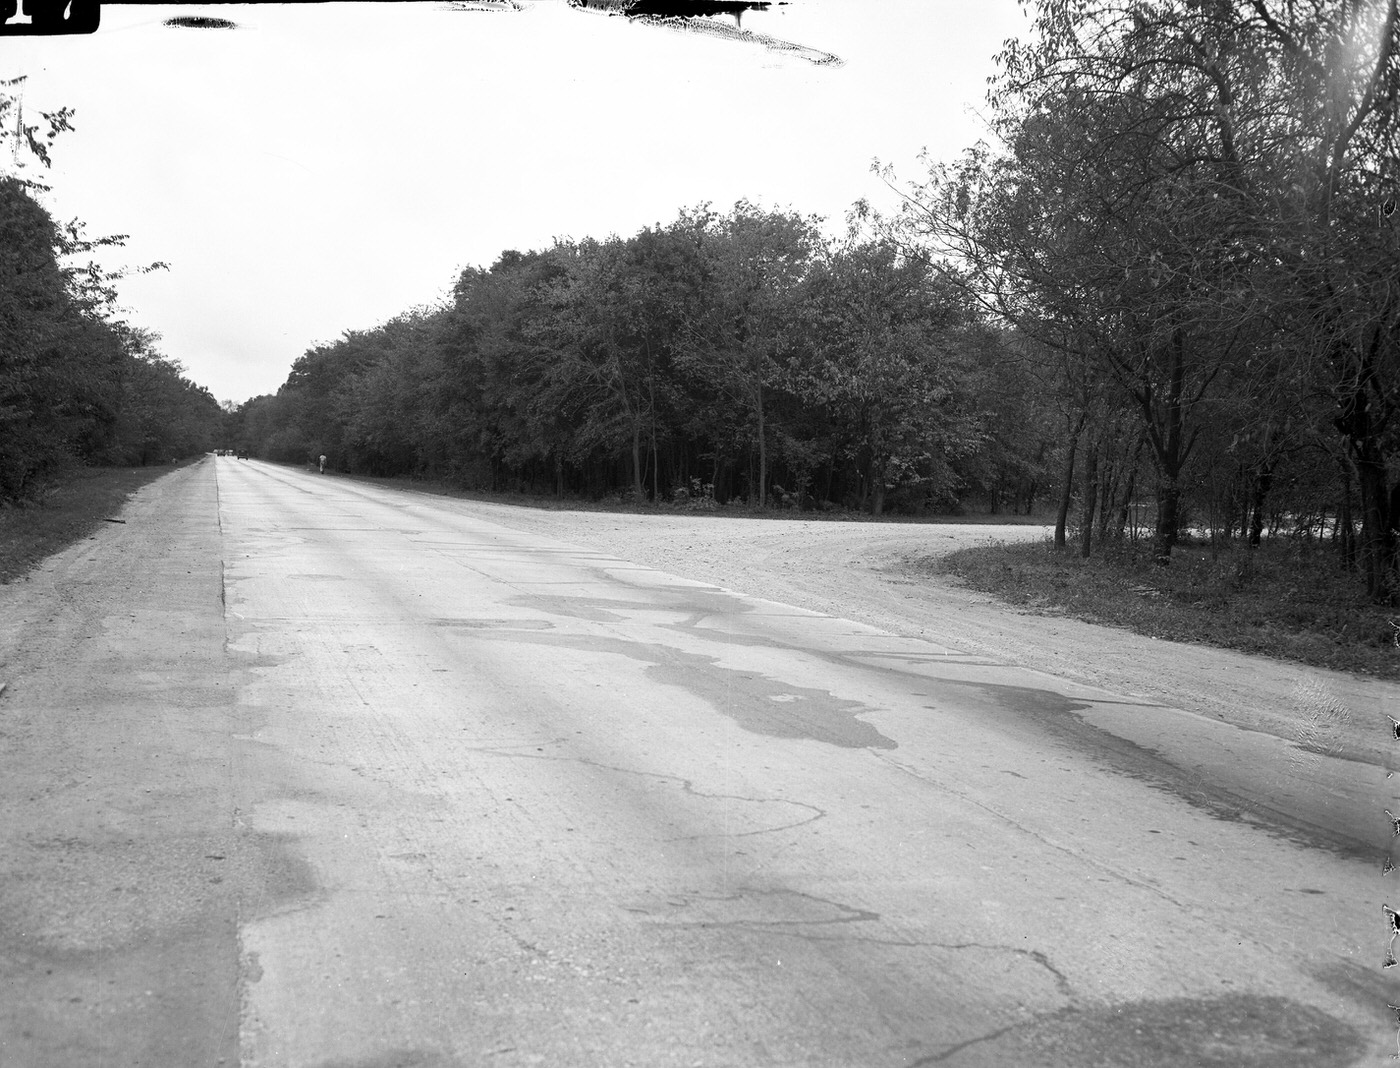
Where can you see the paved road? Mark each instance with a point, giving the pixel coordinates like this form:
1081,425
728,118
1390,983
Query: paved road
300,772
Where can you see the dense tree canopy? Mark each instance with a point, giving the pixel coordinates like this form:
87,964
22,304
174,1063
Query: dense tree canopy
721,356
1169,285
77,383
1192,204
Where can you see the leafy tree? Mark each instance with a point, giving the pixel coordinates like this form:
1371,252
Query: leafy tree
26,143
646,363
58,364
505,399
160,415
1185,190
77,384
892,348
600,344
745,326
387,406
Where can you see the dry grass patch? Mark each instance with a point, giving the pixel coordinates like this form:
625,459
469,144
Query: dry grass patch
1284,600
69,512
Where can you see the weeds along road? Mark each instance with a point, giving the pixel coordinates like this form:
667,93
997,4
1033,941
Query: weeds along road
302,772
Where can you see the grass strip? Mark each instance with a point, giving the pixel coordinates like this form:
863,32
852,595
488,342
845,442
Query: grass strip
1286,599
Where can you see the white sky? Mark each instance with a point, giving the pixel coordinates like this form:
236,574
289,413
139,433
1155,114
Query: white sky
326,166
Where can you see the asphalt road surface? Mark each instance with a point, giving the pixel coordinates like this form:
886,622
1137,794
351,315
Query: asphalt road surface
297,771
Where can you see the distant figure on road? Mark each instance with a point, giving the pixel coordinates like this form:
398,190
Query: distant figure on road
323,463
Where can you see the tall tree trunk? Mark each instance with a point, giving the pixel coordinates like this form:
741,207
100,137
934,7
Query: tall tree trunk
1067,485
655,467
651,411
1377,546
637,459
1377,543
1108,489
1166,431
1125,502
1168,520
875,469
1091,498
1031,485
1346,528
762,454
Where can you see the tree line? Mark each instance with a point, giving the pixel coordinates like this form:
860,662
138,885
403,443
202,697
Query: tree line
1188,210
78,383
1163,296
1161,299
722,356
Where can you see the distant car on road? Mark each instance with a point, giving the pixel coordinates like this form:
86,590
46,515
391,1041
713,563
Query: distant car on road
243,453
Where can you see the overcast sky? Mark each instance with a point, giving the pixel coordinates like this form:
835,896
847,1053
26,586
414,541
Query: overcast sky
323,167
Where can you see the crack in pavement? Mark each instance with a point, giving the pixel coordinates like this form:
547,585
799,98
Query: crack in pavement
1058,846
936,1058
687,786
1106,869
851,914
848,913
1062,982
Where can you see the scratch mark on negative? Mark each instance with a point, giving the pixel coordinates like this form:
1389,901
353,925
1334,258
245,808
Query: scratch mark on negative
1393,923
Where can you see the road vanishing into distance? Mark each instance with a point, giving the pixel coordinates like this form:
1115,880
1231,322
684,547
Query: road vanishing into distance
303,772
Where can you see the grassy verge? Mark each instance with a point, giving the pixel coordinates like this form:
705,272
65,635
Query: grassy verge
80,504
1282,600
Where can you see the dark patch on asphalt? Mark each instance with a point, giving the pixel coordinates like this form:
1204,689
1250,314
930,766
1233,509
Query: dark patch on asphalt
1033,708
906,657
692,630
1358,984
591,609
1234,1031
70,896
763,705
119,942
1026,700
697,603
489,624
757,703
399,1058
777,908
166,1001
1056,715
